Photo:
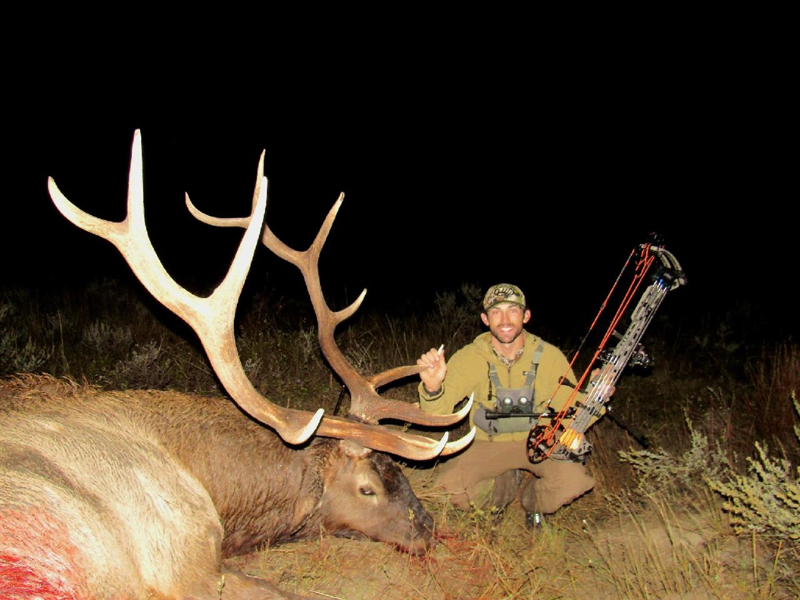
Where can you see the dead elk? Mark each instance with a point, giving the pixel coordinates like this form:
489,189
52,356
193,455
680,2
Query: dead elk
154,474
104,496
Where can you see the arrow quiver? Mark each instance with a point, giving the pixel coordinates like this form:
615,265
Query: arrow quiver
560,435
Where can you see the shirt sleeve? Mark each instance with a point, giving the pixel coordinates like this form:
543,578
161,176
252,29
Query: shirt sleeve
459,383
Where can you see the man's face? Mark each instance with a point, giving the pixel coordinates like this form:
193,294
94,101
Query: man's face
505,321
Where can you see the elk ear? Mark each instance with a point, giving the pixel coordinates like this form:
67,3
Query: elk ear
353,449
312,488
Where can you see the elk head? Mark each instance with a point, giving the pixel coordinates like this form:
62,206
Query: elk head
212,318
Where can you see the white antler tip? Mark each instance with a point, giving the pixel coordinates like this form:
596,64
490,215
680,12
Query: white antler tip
467,407
442,444
460,444
470,436
301,436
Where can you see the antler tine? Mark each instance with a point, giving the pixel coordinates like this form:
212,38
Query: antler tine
211,318
377,437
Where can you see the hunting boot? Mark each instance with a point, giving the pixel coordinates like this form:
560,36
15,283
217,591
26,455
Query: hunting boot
527,498
505,489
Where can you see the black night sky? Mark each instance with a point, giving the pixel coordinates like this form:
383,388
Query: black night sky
444,181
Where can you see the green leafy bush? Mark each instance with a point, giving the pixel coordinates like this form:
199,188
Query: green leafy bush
766,499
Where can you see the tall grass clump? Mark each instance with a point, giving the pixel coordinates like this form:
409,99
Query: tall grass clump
24,348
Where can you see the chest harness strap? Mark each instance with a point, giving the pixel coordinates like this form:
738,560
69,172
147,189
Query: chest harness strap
516,402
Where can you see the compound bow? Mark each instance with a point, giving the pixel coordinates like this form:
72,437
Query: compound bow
550,436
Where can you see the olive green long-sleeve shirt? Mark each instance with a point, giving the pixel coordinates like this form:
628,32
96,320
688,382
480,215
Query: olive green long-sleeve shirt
468,372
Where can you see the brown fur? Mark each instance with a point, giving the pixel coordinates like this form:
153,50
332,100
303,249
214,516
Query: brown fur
149,490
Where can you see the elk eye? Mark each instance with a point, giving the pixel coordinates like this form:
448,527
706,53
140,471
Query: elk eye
365,491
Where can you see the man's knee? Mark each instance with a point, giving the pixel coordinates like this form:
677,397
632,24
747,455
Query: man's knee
548,494
571,491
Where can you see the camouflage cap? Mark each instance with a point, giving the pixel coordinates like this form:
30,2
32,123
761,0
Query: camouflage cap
503,292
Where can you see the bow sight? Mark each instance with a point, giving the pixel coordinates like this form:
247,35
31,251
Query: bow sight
560,435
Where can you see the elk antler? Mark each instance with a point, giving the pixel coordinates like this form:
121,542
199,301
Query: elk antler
366,403
212,318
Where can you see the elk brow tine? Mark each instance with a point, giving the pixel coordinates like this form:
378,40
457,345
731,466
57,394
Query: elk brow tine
377,409
215,332
382,439
413,447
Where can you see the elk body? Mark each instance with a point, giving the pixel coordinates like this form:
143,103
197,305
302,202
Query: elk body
173,478
106,495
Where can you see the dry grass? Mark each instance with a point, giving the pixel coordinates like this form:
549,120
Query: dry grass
659,551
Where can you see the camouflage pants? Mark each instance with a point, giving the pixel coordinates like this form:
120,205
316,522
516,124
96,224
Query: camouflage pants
485,474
